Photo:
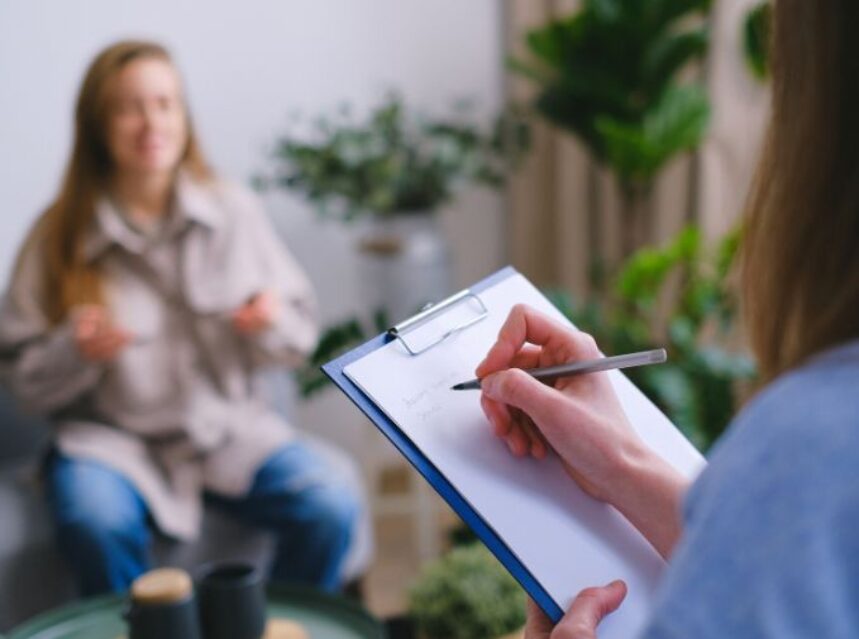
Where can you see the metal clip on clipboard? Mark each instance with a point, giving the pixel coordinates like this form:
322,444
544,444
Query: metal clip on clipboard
431,311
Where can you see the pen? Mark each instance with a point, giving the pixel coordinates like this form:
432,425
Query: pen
551,373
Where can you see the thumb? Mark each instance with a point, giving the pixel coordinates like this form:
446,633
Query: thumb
517,388
591,606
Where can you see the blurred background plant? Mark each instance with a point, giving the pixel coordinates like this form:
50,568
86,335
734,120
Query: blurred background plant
336,340
756,37
395,162
679,296
613,74
467,594
396,168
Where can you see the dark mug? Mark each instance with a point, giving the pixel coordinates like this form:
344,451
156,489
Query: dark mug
162,605
231,600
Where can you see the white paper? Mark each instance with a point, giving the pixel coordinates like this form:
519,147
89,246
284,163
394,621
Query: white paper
567,540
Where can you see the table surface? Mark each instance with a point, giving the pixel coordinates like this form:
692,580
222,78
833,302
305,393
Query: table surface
323,616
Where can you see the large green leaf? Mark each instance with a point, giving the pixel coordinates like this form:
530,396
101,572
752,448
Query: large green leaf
638,150
609,74
669,54
756,39
663,12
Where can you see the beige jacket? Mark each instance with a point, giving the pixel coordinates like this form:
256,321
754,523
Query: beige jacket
181,409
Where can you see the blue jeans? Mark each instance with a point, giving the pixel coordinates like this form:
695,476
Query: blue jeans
104,527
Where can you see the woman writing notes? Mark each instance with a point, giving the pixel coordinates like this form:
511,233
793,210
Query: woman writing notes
143,304
763,543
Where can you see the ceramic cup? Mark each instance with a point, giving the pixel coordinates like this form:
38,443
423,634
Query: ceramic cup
231,600
161,605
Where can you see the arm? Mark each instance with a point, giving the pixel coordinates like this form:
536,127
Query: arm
581,419
40,364
279,322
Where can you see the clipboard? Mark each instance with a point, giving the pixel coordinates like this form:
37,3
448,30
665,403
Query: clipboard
334,370
405,333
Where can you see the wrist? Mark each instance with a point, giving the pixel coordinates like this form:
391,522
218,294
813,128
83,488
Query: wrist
648,492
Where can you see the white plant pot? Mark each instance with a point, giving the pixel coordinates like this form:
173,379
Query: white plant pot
405,262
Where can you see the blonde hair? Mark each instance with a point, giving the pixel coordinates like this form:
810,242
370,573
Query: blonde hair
801,243
68,279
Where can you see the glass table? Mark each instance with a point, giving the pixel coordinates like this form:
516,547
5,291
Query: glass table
323,616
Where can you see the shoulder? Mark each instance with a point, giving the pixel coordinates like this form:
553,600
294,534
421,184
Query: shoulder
804,425
811,413
221,203
770,524
233,193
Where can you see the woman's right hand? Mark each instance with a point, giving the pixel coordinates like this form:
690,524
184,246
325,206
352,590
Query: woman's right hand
98,339
581,418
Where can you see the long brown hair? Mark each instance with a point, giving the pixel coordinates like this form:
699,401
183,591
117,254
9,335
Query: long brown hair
801,243
68,279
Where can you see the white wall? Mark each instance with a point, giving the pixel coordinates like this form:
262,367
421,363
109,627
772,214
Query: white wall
248,65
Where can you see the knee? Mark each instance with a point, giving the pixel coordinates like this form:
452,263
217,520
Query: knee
92,524
90,501
335,509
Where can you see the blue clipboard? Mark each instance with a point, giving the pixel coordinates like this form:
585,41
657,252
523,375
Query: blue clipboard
449,492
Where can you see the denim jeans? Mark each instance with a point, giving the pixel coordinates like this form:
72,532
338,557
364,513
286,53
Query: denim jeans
104,529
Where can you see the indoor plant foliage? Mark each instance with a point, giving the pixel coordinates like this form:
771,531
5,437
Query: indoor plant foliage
699,386
467,594
610,74
395,162
756,37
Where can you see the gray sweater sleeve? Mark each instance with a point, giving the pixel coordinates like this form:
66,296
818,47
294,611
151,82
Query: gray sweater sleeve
39,363
770,546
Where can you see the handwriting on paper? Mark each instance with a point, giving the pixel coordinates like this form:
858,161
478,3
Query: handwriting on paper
427,403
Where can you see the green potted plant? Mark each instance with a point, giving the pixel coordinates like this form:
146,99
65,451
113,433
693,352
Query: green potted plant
700,385
756,36
390,173
611,75
467,594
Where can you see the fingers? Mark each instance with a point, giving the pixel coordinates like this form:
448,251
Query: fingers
538,625
518,389
105,345
498,415
588,609
97,338
526,325
257,314
88,320
537,445
515,428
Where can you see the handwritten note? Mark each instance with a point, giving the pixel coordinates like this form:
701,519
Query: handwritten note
564,538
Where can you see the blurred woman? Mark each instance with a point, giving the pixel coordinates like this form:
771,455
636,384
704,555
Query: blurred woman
766,544
144,302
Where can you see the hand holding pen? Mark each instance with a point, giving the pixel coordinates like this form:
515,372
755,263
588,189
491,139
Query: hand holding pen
578,416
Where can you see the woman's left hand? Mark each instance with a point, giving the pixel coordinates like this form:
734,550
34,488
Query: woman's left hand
581,621
257,314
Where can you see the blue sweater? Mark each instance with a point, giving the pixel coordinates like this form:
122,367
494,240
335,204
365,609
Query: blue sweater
771,540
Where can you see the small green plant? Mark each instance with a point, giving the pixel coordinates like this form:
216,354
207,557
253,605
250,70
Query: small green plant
336,340
611,74
756,38
467,594
394,162
698,386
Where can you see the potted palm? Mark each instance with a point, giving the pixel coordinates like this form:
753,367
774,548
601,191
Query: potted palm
612,74
389,174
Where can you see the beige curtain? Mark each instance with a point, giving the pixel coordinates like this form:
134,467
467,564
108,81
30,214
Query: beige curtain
563,209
